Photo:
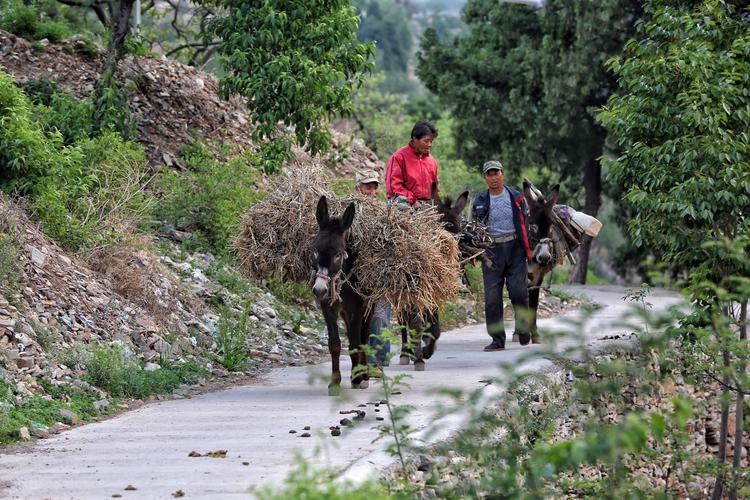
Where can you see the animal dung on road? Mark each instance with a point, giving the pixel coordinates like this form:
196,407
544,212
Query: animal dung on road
405,257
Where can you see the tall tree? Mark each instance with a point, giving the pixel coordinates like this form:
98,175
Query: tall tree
387,24
524,85
295,61
682,121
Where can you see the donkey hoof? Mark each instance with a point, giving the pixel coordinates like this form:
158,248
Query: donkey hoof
364,384
334,390
404,360
419,366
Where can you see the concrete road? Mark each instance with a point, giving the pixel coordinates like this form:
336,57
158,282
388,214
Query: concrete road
148,448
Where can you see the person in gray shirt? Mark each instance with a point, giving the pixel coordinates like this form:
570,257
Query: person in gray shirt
503,210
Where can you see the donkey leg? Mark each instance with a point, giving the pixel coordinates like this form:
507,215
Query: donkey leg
360,375
334,348
433,334
406,353
533,306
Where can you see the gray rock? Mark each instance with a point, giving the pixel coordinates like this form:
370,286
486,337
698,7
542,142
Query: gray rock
37,256
101,405
68,416
40,431
23,433
58,427
152,367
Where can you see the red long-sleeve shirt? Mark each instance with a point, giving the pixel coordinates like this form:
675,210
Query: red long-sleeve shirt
410,175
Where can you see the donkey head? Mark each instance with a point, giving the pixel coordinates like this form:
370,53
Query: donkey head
451,213
329,246
540,221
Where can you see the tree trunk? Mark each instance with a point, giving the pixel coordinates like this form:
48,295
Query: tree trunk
120,28
592,183
738,409
723,431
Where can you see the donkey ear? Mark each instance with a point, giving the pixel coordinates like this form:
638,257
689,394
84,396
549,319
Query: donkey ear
553,196
321,214
528,194
461,202
348,217
436,197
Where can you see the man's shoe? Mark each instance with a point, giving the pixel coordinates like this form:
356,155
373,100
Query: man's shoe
524,338
494,346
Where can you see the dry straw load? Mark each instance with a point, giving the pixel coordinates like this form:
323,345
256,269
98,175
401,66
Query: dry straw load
405,256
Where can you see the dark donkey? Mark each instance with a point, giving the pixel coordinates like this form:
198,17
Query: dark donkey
544,230
332,263
426,329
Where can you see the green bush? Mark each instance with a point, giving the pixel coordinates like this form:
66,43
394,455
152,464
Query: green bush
209,198
59,111
97,196
110,369
24,21
25,151
10,266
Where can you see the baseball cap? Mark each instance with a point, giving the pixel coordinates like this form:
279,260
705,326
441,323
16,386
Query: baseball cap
492,165
366,176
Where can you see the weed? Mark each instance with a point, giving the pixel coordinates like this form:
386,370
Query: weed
111,369
231,351
290,292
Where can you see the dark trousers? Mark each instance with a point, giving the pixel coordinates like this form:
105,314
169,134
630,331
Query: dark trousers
509,269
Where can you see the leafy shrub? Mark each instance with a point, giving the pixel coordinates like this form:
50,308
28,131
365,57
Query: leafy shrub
60,111
208,199
97,196
110,107
25,152
23,20
110,369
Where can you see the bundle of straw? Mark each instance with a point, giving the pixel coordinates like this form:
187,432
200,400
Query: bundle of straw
405,257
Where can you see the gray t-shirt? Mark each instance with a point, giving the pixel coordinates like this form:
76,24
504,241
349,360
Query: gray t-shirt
500,222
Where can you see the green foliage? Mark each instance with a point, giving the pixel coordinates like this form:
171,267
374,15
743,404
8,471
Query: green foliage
110,107
295,61
27,22
683,121
311,484
290,292
10,266
209,198
231,340
386,23
97,196
22,411
25,151
111,369
60,111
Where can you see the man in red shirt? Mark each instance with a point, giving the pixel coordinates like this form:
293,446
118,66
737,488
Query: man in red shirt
411,171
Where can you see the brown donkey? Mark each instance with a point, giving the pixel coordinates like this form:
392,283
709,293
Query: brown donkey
426,329
334,288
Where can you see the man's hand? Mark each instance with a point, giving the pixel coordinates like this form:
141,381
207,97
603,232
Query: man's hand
417,204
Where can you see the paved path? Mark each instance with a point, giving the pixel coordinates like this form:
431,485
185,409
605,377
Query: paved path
148,447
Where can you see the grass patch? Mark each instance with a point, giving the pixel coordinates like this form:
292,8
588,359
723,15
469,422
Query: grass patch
40,410
110,369
10,266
